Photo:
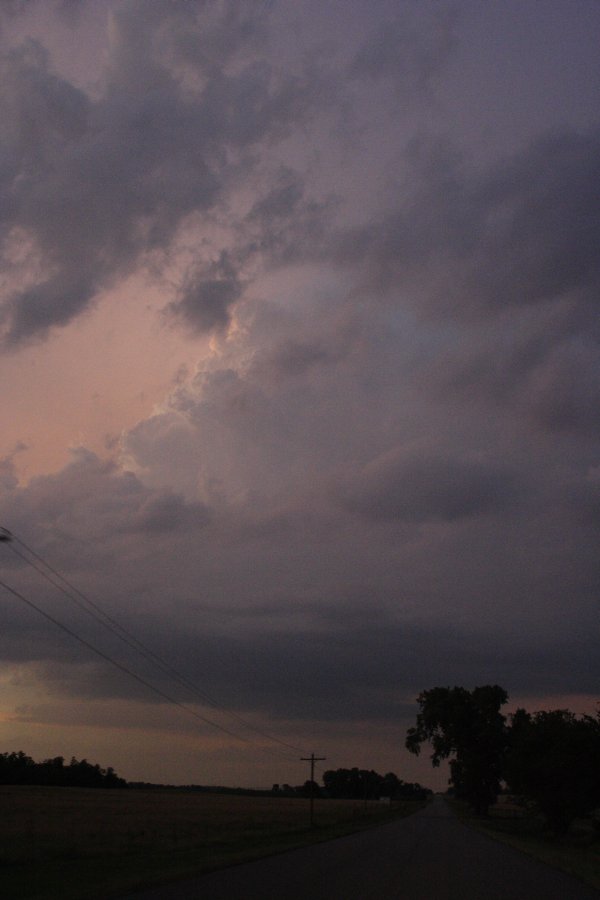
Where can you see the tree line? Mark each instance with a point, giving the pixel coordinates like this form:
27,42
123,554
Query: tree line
355,784
18,768
363,784
550,758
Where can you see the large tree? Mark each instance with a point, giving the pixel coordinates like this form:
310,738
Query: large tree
553,758
468,728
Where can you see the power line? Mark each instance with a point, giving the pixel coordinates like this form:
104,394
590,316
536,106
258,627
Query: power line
115,662
118,630
103,618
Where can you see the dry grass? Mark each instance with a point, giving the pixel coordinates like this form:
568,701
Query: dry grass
74,843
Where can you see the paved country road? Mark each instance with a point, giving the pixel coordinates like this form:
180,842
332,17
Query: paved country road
428,856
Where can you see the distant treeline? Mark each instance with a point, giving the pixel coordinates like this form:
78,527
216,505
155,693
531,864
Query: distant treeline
18,768
201,789
338,784
356,784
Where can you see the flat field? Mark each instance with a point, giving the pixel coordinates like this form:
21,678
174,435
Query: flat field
79,844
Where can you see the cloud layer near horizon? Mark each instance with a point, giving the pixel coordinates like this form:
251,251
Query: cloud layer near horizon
383,473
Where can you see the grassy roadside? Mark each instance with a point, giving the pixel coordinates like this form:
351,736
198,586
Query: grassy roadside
74,844
577,853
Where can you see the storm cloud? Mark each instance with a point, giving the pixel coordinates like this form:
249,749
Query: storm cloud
300,329
96,184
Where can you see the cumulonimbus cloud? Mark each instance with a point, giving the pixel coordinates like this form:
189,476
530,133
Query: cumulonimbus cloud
94,184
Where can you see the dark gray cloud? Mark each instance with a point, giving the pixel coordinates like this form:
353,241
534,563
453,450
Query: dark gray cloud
91,187
504,258
67,8
8,476
293,357
207,295
563,394
417,489
382,472
285,226
351,674
522,232
408,52
91,504
281,201
167,512
361,670
541,366
95,183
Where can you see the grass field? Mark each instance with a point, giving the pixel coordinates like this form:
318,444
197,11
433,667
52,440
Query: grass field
578,852
77,844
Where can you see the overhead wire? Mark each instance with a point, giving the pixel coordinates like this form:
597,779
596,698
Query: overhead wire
114,662
116,628
83,602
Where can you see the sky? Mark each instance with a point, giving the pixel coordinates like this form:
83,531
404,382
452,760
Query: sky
299,354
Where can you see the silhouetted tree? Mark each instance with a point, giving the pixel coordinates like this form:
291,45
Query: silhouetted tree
308,789
408,791
352,784
467,726
365,784
15,767
553,758
390,785
18,768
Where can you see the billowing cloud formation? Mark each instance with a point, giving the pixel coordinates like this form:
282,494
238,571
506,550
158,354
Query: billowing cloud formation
523,232
93,184
406,53
513,246
421,489
382,473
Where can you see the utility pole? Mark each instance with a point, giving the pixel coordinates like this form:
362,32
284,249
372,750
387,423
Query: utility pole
312,759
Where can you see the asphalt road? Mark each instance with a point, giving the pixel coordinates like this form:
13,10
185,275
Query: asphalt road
428,856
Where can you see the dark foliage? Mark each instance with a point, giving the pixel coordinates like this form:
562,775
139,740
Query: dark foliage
18,768
362,784
469,727
553,758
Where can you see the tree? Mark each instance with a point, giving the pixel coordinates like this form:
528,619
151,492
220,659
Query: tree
469,727
391,786
17,768
553,758
353,784
309,789
365,784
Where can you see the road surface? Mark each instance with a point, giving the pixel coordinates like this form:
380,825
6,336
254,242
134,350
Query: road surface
428,856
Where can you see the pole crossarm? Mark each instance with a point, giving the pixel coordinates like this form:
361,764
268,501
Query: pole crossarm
312,759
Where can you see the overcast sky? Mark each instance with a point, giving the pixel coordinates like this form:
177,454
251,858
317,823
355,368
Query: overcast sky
300,371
